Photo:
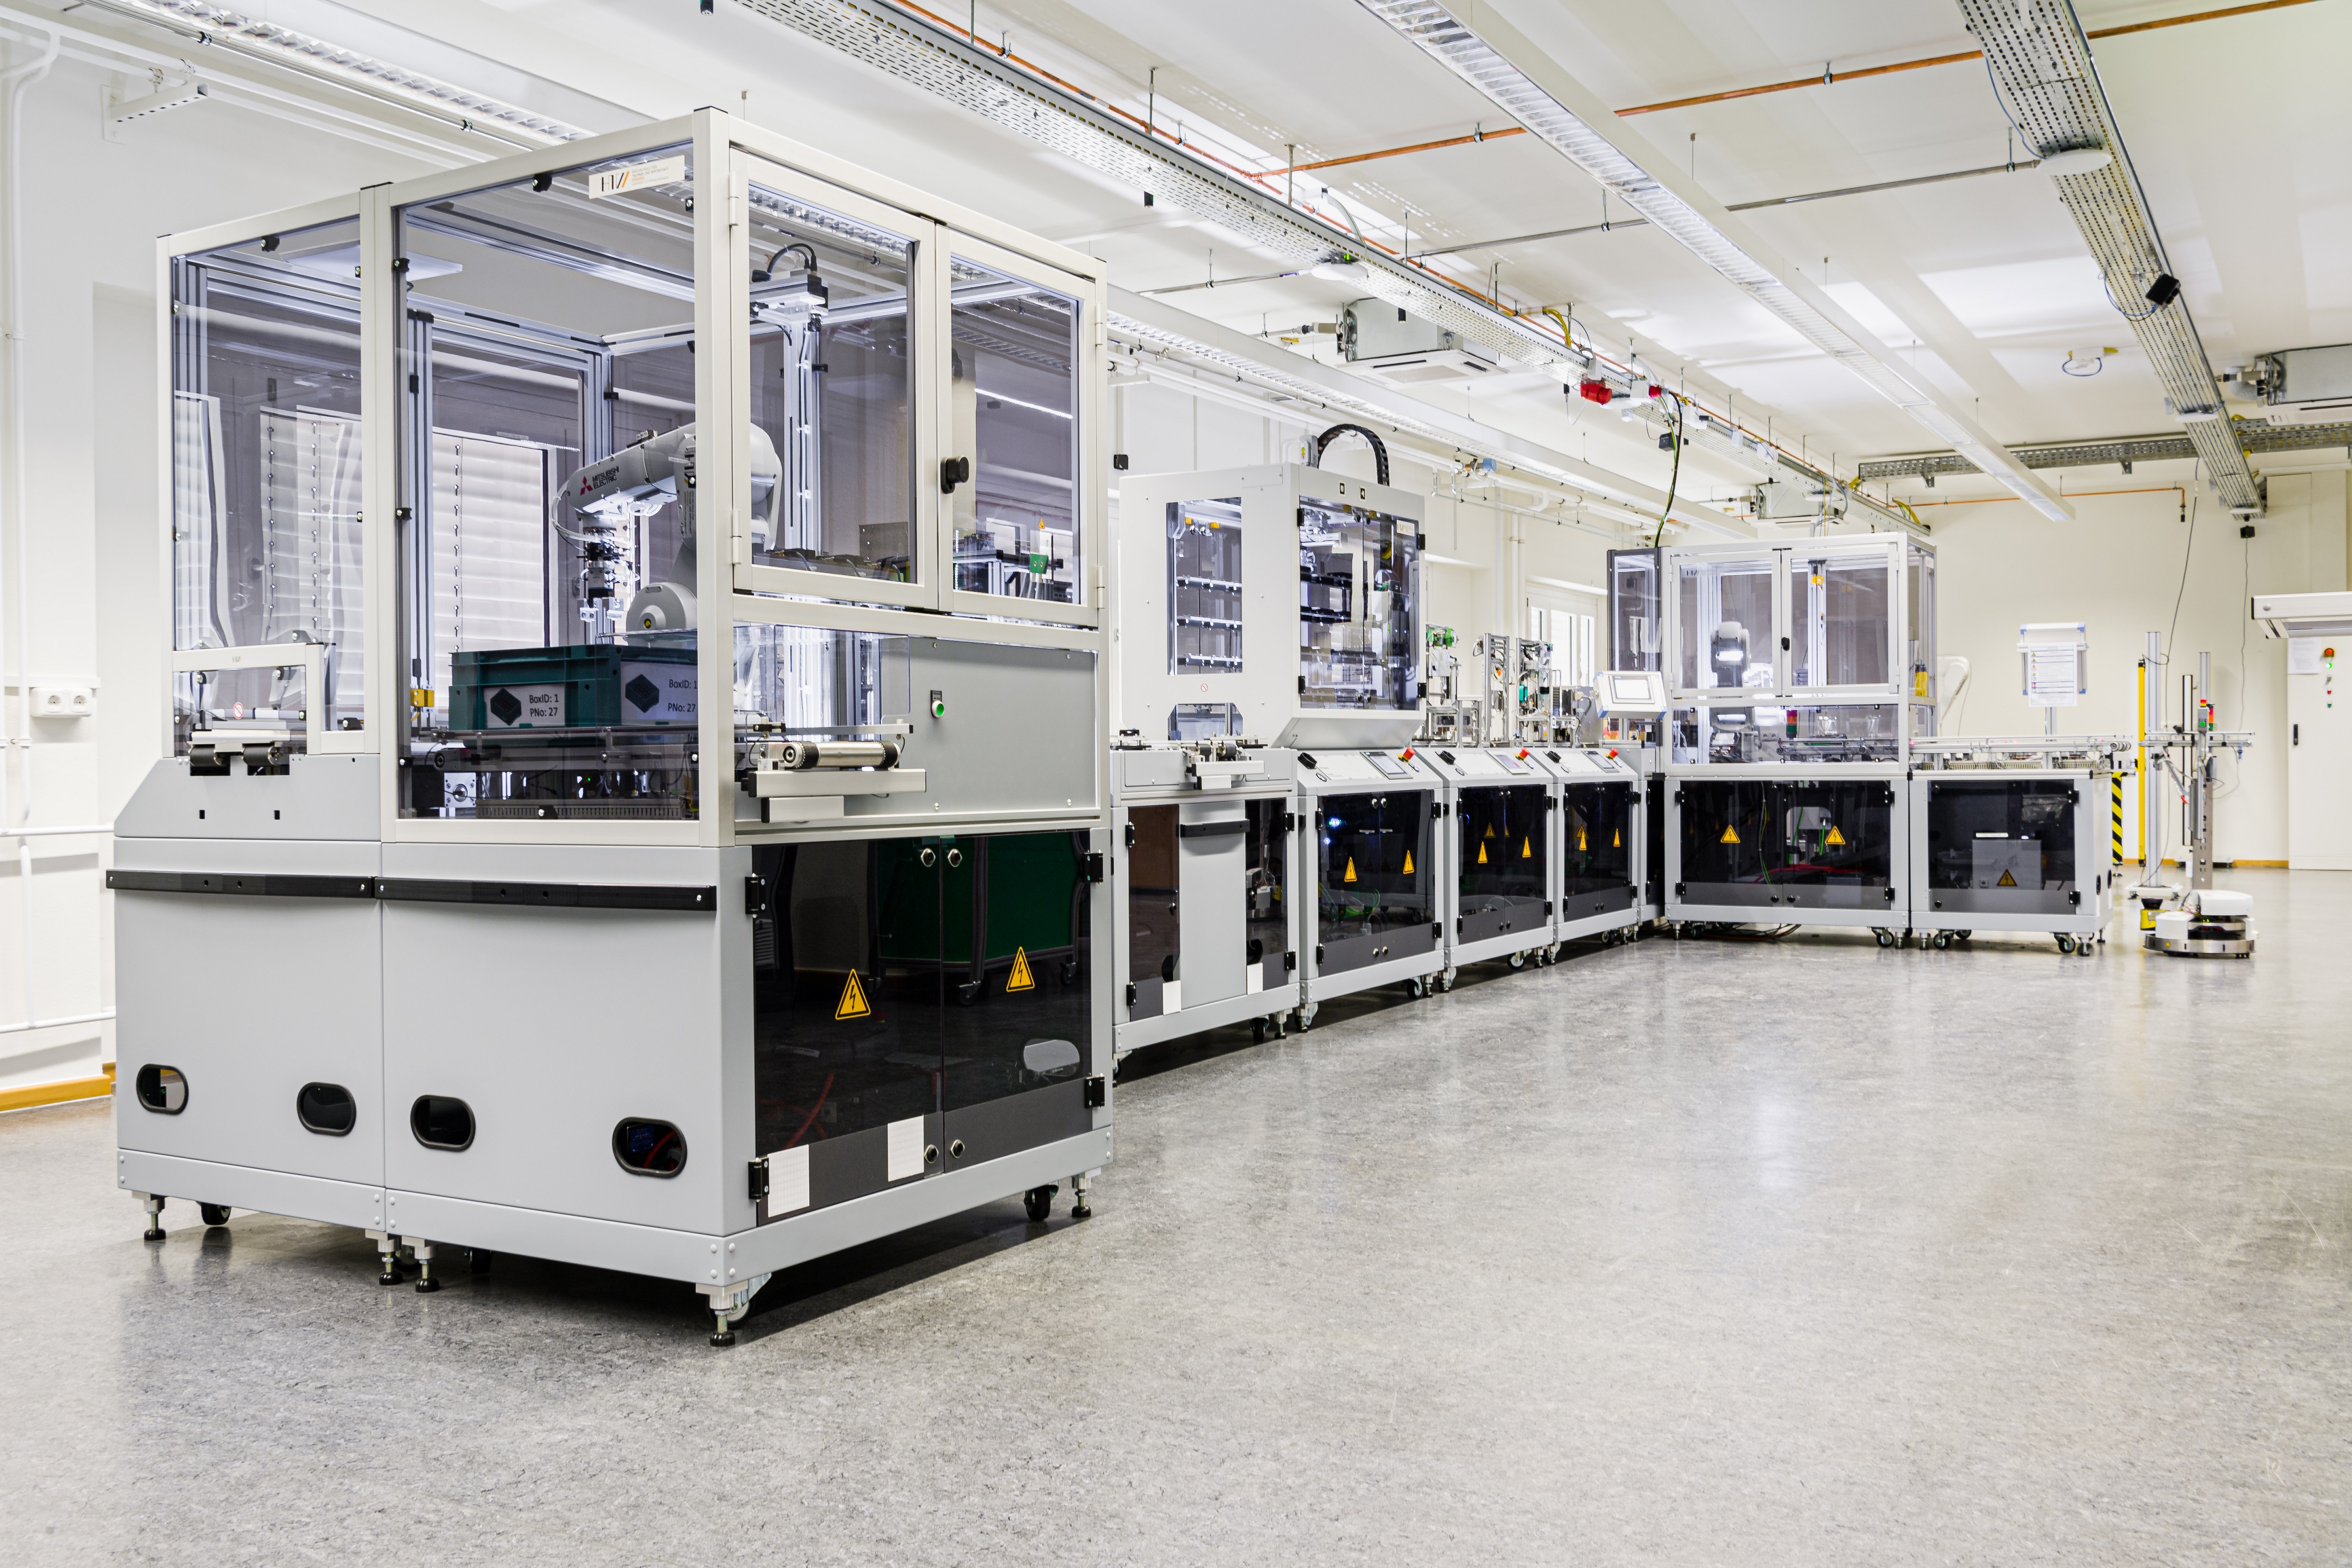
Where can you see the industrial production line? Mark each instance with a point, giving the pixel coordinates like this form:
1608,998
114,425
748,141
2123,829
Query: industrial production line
774,976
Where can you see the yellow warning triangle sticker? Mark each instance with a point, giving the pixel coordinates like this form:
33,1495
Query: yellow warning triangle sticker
1021,979
1408,862
1490,830
1730,834
1579,841
1617,840
2007,880
1528,848
1835,837
1482,854
1350,875
852,1000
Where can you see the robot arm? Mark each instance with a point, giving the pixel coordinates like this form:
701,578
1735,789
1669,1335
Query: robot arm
603,501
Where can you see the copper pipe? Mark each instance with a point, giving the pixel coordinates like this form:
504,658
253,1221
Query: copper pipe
1416,147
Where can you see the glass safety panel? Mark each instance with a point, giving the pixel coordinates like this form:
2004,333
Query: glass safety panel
1153,894
549,536
1266,916
1360,620
1017,945
1919,625
847,1011
1994,837
1840,619
1503,860
1823,843
1636,632
267,543
833,390
1597,845
1726,612
1806,732
1205,586
1014,411
1374,884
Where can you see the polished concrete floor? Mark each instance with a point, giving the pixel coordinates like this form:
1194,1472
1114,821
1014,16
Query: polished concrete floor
1678,1253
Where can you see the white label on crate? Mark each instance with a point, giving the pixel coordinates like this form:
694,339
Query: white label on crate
524,708
788,1180
638,176
657,694
905,1149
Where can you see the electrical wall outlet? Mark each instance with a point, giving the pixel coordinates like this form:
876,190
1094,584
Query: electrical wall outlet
64,701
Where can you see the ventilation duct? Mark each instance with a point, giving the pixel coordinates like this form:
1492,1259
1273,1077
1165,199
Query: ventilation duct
1478,45
2049,87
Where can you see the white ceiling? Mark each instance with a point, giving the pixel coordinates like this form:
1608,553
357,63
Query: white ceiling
2241,128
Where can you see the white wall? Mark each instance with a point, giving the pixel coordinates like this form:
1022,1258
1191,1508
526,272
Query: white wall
92,209
2119,568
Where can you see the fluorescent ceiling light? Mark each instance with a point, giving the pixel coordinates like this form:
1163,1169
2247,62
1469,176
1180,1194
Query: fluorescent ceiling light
1474,42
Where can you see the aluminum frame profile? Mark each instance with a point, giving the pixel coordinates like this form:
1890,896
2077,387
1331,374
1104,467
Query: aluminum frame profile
1478,45
2041,66
948,66
2251,436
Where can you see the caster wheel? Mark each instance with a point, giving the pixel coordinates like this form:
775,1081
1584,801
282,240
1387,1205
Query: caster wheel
1518,960
477,1262
1257,1031
1962,936
1039,1202
1942,941
1886,939
213,1214
2066,944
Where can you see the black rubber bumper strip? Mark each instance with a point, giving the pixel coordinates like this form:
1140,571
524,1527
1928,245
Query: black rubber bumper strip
1212,829
547,895
267,887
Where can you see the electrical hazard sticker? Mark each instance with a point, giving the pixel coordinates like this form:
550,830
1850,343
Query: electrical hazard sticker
1580,839
1730,834
1021,979
1835,840
1527,848
853,1001
1349,874
2007,879
1408,862
1482,854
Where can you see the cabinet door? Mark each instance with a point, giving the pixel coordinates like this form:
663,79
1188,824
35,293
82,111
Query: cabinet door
1018,1031
1212,858
1375,887
847,971
1597,849
1503,861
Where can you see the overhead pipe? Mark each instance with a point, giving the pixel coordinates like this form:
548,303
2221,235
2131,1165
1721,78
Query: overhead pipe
1477,44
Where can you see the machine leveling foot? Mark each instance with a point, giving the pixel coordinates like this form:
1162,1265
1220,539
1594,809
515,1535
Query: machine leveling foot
728,1305
1079,1207
387,1247
425,1283
154,1216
